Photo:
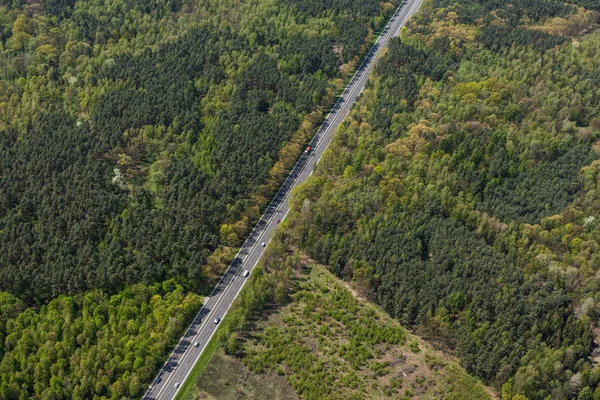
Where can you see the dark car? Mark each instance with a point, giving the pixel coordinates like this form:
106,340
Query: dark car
157,381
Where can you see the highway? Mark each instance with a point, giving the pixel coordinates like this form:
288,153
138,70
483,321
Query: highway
185,355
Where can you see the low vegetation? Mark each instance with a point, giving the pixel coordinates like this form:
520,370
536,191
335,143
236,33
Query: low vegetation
462,194
327,344
138,142
136,138
462,197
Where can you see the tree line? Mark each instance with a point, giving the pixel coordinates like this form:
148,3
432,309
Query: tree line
461,196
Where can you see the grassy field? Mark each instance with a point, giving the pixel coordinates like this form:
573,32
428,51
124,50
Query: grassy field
326,343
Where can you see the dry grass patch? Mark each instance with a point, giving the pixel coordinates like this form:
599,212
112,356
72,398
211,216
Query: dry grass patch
226,378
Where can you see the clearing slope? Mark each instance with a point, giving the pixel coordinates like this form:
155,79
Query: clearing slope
324,343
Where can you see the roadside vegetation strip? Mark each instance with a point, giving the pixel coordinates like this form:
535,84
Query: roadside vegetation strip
187,387
253,296
232,232
319,305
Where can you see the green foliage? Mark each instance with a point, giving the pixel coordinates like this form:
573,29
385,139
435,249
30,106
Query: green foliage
464,199
414,347
511,10
328,344
323,340
91,345
130,133
497,37
59,8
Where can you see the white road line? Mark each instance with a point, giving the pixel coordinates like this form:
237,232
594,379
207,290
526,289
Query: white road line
288,193
400,17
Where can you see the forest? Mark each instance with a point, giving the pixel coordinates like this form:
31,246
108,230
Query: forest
168,127
462,194
310,335
92,345
138,142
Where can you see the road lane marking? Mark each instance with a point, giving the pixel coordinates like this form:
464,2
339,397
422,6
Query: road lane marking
252,255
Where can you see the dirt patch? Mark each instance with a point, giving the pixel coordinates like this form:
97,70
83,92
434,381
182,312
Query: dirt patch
330,342
227,378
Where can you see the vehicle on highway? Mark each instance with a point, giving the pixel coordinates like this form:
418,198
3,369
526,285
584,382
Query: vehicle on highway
196,344
157,381
176,385
231,285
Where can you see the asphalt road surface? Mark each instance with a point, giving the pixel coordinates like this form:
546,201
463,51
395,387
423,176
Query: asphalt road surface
186,353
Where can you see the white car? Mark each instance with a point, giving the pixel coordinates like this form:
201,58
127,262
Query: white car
176,385
246,273
196,344
217,320
263,244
